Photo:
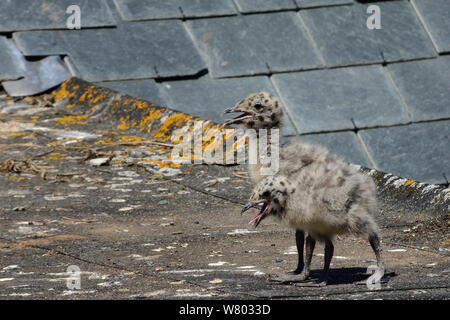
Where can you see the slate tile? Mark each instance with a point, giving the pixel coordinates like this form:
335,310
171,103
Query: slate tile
40,43
146,89
207,8
247,45
424,86
435,14
320,3
342,36
288,128
417,151
9,66
327,100
43,14
134,51
133,10
345,144
247,6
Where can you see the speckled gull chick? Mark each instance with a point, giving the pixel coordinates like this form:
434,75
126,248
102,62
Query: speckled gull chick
313,191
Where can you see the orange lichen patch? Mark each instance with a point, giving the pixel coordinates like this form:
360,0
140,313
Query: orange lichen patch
153,114
70,106
140,104
71,120
16,118
240,142
14,178
135,103
42,241
54,156
92,94
124,124
409,182
63,93
172,121
107,140
212,139
106,132
34,118
161,163
18,134
179,136
130,139
115,102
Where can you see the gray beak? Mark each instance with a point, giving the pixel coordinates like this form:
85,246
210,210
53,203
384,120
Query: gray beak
249,205
229,110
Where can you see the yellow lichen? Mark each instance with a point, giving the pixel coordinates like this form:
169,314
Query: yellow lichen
131,139
18,134
174,120
15,178
71,120
124,124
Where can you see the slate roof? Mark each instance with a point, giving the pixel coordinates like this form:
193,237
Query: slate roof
379,98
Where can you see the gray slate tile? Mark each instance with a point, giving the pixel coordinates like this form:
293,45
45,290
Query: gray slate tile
133,10
146,89
343,38
247,6
436,16
9,66
425,87
327,100
41,43
344,144
320,3
134,51
44,14
417,151
246,45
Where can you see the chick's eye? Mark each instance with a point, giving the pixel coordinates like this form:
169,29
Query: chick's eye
266,193
258,106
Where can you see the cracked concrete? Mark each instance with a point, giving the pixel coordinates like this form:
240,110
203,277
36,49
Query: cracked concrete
140,229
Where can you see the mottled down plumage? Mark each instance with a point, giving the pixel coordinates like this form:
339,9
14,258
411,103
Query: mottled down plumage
313,190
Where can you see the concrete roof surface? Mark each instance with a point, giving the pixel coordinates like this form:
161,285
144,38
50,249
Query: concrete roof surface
86,181
85,173
382,93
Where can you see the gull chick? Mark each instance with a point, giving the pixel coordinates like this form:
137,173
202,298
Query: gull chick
335,200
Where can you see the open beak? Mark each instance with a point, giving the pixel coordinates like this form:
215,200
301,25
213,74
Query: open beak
249,205
242,116
262,212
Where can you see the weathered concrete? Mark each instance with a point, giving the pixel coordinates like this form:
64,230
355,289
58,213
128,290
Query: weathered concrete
139,227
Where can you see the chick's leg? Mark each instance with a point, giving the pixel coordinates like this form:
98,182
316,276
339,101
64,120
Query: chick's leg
375,244
329,250
300,242
288,278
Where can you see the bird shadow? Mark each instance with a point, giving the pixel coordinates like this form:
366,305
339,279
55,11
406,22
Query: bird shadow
349,276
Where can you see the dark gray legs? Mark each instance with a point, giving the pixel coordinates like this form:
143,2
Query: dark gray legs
296,277
375,244
329,250
300,242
